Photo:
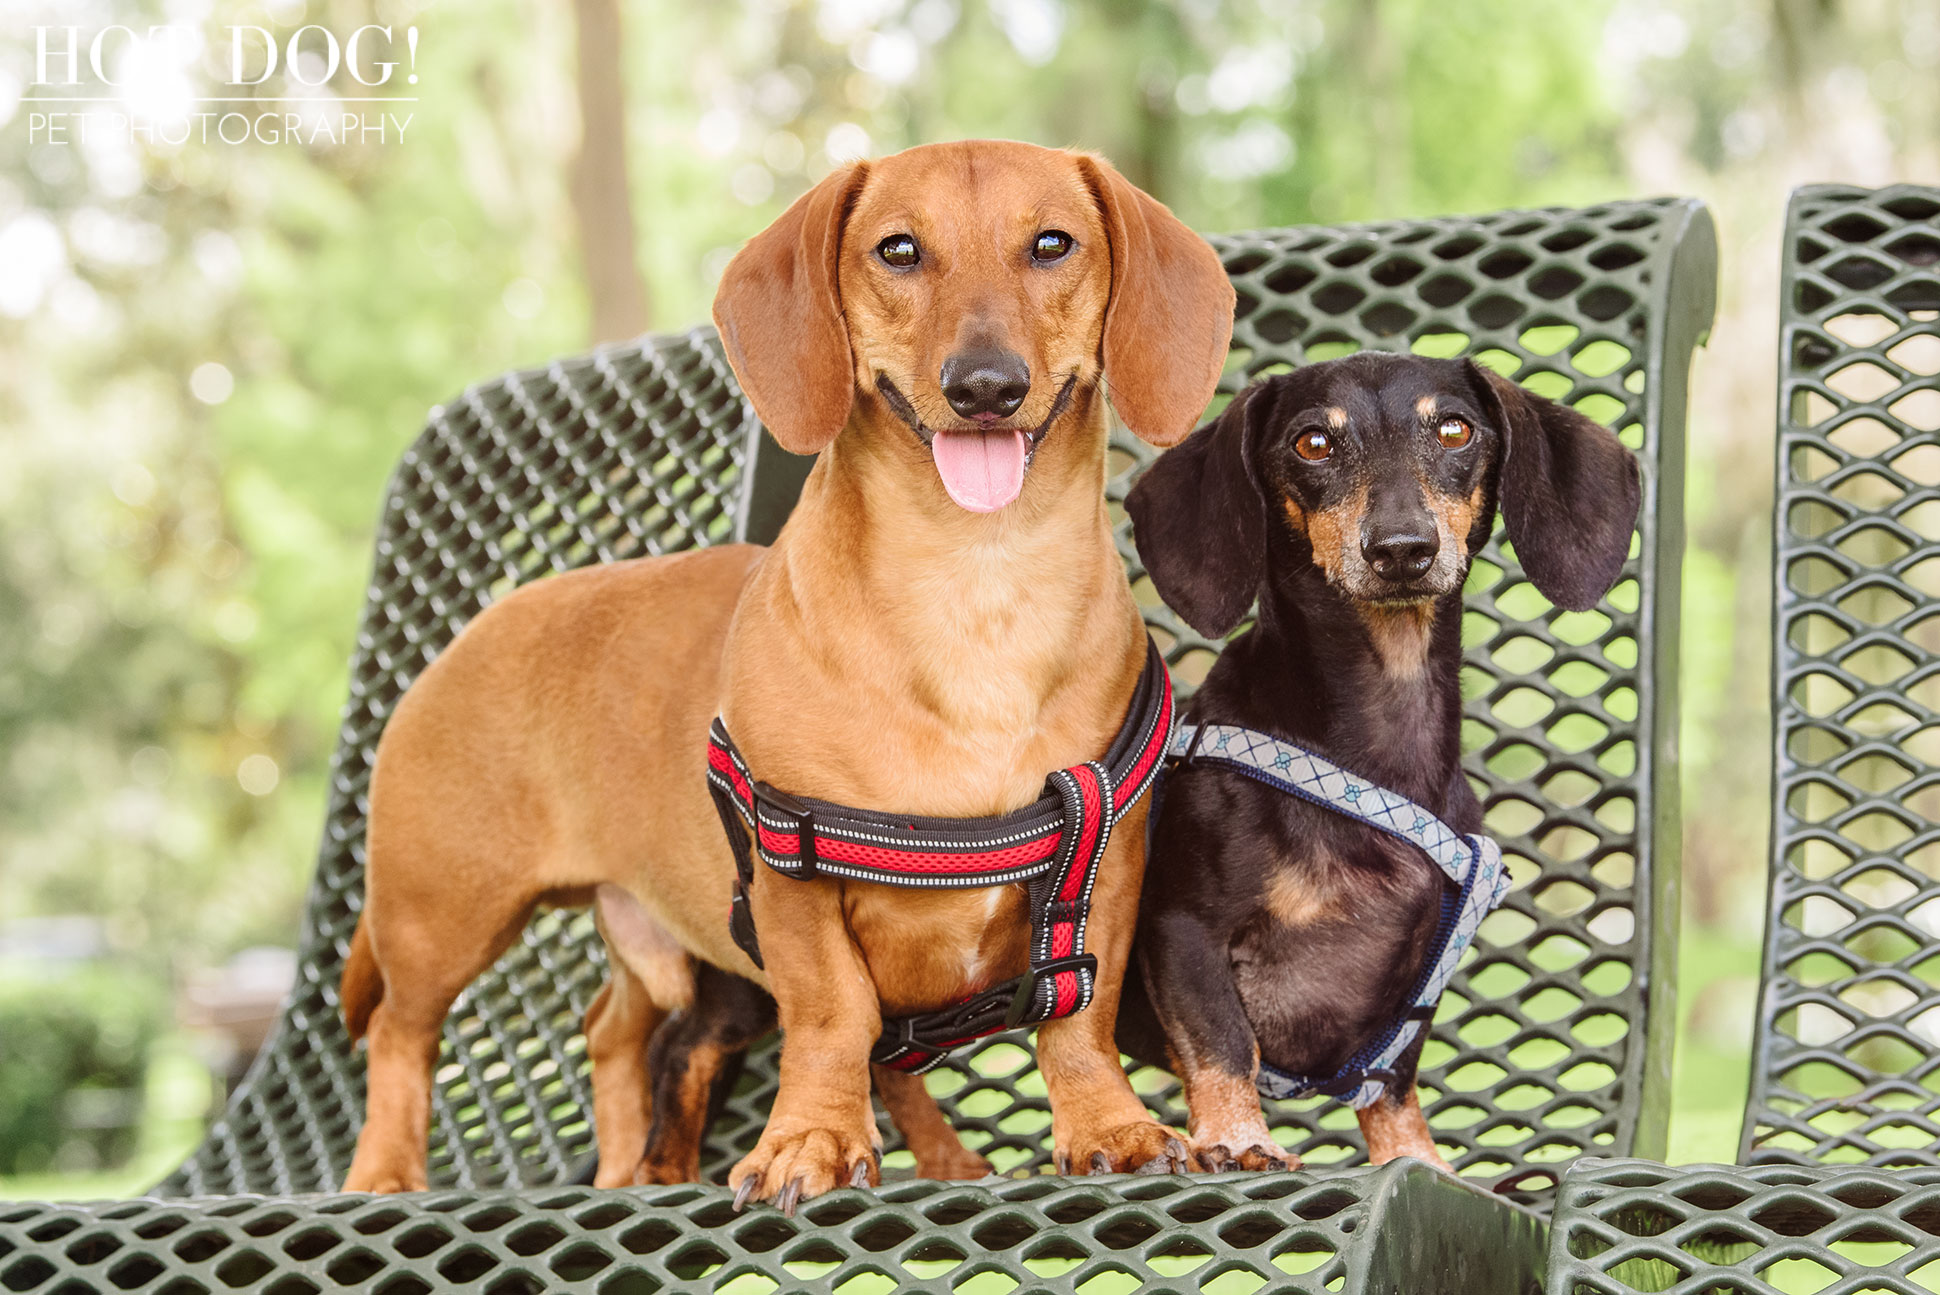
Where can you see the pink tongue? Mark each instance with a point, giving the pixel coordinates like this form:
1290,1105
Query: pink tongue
983,471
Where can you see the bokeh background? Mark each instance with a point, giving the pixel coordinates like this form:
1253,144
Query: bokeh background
210,355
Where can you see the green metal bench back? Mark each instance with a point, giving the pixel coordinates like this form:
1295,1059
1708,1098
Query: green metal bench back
632,450
1551,1043
1846,1069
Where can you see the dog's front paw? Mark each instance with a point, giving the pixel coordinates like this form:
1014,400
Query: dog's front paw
790,1165
1218,1153
384,1180
1141,1147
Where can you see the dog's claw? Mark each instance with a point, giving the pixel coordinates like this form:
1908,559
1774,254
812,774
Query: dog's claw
1177,1156
859,1176
749,1186
1276,1165
1100,1163
1064,1162
789,1197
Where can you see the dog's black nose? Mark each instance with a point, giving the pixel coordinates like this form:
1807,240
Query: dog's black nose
1401,555
986,383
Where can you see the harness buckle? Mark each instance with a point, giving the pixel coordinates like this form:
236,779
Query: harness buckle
1035,974
788,809
898,1047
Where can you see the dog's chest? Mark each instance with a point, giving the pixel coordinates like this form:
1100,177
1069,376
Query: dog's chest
928,948
1338,940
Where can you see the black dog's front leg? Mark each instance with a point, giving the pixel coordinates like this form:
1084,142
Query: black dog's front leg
1394,1125
1184,956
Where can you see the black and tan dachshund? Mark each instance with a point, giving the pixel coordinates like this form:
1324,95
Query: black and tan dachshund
1347,498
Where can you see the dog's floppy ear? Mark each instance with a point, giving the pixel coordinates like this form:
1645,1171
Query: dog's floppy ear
1170,318
1570,492
780,317
1199,517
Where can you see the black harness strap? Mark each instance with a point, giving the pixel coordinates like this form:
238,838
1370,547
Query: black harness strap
1054,845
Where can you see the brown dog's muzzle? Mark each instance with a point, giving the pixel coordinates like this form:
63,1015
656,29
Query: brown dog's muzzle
983,465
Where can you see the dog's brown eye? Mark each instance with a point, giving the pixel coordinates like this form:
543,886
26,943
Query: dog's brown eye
898,251
1051,245
1454,433
1313,445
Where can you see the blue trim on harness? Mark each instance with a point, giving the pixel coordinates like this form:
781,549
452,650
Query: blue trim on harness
1473,863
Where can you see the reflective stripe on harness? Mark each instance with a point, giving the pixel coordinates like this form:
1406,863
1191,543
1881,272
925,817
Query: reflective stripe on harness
1054,845
1472,863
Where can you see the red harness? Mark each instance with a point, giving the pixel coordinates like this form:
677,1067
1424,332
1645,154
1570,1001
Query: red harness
1054,844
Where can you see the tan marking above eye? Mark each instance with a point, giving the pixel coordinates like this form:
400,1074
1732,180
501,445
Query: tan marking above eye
1425,406
1336,417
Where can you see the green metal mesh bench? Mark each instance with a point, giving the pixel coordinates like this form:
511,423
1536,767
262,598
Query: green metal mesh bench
1552,1043
1841,1139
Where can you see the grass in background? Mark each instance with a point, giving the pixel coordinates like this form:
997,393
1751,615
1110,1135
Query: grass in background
1717,1003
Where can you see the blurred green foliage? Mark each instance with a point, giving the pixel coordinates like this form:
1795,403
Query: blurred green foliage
73,1061
210,355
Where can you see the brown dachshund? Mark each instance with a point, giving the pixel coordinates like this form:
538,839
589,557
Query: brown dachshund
943,621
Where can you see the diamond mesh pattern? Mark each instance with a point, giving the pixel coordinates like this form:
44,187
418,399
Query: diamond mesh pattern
1236,1232
1629,1225
1846,1063
1541,1050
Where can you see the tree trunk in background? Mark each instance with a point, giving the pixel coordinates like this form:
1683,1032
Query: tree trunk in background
1799,29
602,206
1389,154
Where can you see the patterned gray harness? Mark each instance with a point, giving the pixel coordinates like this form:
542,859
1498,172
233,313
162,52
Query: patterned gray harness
1473,864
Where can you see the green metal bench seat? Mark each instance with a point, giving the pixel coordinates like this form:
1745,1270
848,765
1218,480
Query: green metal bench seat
1841,1193
1626,1226
1552,1043
1230,1233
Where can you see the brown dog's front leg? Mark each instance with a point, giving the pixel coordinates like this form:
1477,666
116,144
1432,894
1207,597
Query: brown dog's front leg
1098,1124
938,1149
821,1133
